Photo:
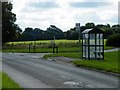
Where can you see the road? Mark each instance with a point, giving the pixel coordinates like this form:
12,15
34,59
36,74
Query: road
111,50
30,71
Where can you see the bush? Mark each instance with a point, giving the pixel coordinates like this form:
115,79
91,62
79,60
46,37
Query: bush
113,40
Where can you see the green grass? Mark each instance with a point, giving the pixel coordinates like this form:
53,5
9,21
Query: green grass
70,55
43,50
110,63
44,46
0,80
45,41
7,82
48,41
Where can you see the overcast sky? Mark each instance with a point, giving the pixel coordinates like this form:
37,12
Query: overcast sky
64,13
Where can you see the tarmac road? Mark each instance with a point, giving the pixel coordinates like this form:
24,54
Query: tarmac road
30,71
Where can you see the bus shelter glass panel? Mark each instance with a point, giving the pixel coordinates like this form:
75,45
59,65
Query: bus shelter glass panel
83,39
92,54
83,51
86,51
97,52
101,52
86,39
101,39
97,39
85,45
92,39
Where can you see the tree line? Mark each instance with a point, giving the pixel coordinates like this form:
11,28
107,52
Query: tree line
72,34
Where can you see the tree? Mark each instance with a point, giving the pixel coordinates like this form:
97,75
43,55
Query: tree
55,31
107,32
89,25
114,40
9,28
82,28
116,28
72,34
28,34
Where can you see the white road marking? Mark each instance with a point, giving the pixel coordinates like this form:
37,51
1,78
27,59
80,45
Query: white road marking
71,83
90,86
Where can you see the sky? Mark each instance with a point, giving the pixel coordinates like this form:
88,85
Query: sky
64,13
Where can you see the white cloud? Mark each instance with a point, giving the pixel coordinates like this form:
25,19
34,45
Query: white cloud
64,16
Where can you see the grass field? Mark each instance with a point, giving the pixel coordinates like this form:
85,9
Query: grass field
44,46
7,82
44,41
48,42
110,63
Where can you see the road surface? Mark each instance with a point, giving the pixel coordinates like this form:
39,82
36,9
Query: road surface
30,71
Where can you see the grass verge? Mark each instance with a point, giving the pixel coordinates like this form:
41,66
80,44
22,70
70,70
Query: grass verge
7,82
67,54
110,63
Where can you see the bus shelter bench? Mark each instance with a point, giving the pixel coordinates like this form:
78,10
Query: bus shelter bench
98,53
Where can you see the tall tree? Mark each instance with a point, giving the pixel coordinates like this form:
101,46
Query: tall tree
9,27
89,25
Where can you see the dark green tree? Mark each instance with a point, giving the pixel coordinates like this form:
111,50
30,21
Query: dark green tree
9,28
28,34
89,25
116,28
113,40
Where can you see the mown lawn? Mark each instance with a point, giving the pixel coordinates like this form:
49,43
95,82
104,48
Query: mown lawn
7,82
110,63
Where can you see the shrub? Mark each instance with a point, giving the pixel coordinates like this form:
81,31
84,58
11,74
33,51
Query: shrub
113,40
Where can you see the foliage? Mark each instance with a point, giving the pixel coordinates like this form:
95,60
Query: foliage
9,28
116,28
72,34
107,32
114,40
89,25
38,34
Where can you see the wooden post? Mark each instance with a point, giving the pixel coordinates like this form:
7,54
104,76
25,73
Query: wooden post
29,47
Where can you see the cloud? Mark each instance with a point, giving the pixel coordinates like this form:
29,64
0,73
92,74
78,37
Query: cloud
89,4
43,13
43,5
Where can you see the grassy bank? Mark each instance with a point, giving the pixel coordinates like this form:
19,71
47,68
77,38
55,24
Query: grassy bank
70,55
7,82
110,63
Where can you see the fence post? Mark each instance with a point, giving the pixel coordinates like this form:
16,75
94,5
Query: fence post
29,47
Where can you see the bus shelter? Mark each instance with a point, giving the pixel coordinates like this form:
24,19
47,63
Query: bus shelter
92,44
